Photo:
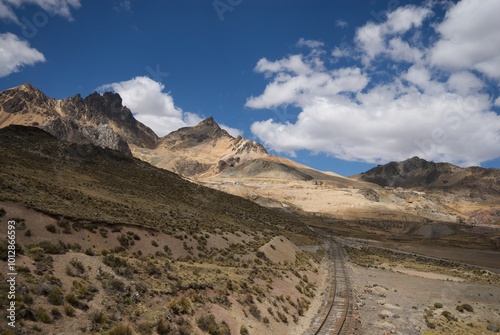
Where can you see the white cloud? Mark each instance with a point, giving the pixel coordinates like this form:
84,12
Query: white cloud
152,106
155,108
16,53
7,13
341,23
497,102
373,38
309,43
401,106
465,83
297,79
234,132
53,7
470,38
404,18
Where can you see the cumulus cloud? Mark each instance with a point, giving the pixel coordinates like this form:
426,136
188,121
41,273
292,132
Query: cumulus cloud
53,7
400,106
470,38
383,38
155,108
16,53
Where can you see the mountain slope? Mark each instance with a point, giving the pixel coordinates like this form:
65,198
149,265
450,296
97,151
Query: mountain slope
98,119
200,151
103,238
473,191
119,188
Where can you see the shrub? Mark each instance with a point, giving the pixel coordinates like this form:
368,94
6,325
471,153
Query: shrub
208,324
468,308
28,233
98,317
244,330
51,248
121,329
117,285
55,296
89,252
56,313
282,317
464,307
162,327
438,305
42,315
448,316
255,311
51,228
78,265
123,239
181,306
69,310
71,299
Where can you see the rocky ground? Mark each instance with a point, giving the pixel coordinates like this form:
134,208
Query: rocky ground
389,302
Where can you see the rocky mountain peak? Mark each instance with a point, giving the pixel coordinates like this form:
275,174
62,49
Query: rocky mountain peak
24,98
186,137
209,122
100,119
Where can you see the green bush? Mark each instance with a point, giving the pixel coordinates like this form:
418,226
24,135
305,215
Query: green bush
438,305
69,310
51,248
42,315
71,299
55,296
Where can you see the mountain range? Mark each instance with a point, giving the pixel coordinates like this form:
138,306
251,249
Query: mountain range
412,190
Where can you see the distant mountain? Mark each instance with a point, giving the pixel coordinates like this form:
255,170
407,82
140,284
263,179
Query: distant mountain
208,155
419,173
206,151
98,119
473,191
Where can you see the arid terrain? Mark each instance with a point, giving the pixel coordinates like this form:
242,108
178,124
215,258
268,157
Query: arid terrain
119,231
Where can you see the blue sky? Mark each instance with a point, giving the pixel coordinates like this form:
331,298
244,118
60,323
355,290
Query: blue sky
337,85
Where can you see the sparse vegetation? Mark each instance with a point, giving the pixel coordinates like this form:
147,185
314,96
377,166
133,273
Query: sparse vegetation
121,329
51,228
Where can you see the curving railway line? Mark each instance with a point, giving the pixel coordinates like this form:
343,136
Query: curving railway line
337,312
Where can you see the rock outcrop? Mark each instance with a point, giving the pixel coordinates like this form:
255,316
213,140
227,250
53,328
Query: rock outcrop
98,119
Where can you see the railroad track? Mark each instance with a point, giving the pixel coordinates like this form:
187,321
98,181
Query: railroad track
337,310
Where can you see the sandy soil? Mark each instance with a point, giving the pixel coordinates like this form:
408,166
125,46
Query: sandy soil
396,303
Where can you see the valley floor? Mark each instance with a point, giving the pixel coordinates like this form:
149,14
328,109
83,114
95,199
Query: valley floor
389,302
